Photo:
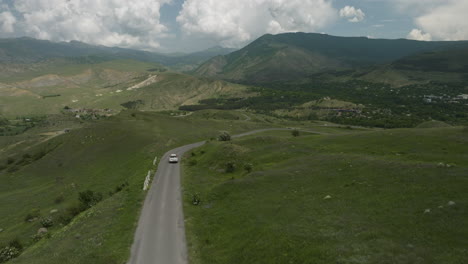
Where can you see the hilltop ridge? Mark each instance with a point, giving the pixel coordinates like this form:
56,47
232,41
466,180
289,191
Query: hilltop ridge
294,55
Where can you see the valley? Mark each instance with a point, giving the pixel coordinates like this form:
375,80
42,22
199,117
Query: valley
368,164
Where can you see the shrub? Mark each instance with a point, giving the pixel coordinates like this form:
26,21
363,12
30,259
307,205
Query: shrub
47,222
224,137
69,213
120,187
248,167
295,133
64,218
132,104
74,210
34,213
8,253
16,244
196,199
193,162
89,198
230,167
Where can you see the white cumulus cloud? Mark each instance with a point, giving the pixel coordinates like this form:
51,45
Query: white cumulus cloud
234,23
418,34
352,14
7,21
106,22
440,19
447,21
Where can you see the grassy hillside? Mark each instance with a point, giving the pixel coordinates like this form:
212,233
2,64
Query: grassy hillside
294,55
394,196
42,178
448,65
104,84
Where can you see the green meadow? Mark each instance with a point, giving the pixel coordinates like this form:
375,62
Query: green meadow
351,196
43,178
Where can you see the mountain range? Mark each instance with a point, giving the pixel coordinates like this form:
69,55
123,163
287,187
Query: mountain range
297,55
29,50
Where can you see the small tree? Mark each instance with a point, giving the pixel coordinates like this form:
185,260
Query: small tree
248,167
295,133
230,167
224,136
89,198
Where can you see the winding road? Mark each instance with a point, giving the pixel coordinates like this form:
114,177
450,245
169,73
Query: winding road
160,235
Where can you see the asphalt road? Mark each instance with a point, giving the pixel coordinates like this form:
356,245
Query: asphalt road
160,235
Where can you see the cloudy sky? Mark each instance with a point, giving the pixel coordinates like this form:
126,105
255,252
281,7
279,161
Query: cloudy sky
189,25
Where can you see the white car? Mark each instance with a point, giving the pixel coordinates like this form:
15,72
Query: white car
173,158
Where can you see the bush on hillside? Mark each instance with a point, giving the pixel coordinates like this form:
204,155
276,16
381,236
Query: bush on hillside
34,213
11,251
8,253
47,222
230,167
133,105
248,167
224,137
295,133
16,244
196,199
120,187
89,198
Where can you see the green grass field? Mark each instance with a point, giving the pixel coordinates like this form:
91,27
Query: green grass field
98,156
349,197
